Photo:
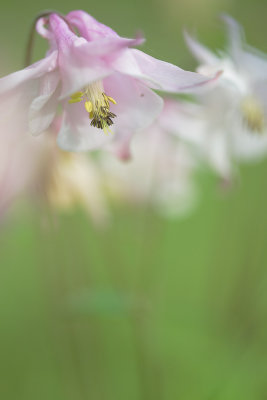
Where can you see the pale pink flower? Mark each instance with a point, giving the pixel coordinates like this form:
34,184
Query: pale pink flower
17,167
97,79
22,161
36,170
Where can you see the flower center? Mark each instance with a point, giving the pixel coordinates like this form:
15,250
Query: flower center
253,114
97,104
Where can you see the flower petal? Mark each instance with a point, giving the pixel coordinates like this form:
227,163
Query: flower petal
159,74
78,72
185,120
251,62
17,91
216,151
89,62
82,62
34,71
247,145
44,107
236,36
137,107
102,39
201,53
76,133
88,26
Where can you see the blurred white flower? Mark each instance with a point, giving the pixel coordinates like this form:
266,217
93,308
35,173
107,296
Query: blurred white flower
202,130
158,174
231,122
74,180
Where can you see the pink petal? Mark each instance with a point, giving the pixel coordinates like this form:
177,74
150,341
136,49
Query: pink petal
137,107
63,36
89,62
94,31
34,71
88,26
76,68
17,91
77,71
76,133
82,62
42,29
159,74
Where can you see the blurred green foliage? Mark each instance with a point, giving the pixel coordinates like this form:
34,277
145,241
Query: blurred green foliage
147,308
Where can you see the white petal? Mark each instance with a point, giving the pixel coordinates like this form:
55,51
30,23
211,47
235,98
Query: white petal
201,53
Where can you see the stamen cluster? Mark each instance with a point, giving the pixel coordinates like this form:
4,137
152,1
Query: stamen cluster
253,114
97,104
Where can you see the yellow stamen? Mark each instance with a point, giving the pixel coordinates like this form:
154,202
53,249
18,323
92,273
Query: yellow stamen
112,100
97,104
75,100
253,114
88,106
107,130
77,94
76,97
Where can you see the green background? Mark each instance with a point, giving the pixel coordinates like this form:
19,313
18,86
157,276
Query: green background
147,308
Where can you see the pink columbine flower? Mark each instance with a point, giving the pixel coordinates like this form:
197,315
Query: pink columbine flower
99,81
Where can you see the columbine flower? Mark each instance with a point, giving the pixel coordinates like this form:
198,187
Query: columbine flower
232,118
98,80
159,174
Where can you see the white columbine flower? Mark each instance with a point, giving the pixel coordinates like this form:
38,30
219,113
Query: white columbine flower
230,124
